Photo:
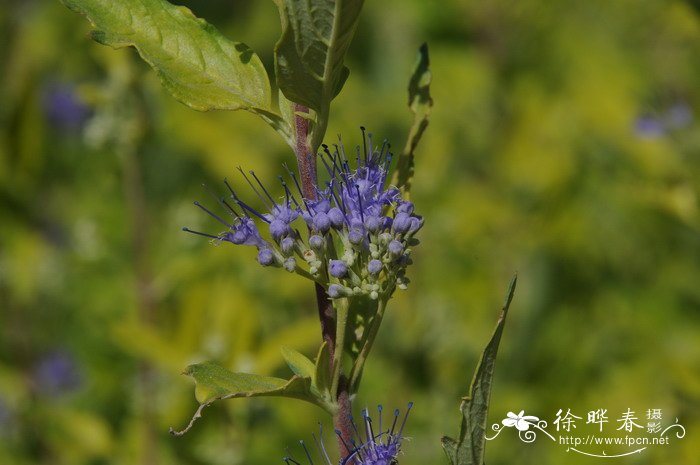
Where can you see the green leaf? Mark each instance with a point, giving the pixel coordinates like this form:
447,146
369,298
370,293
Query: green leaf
469,449
195,63
449,445
298,363
421,103
214,382
309,56
321,380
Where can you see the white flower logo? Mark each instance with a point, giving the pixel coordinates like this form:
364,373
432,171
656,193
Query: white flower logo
520,421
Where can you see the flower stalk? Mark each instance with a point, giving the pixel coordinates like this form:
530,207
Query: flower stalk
332,322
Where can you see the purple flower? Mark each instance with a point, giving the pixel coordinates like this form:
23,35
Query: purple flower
379,445
56,373
338,268
63,108
355,222
265,256
374,267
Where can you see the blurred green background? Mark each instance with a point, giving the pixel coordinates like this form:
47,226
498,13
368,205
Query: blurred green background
563,144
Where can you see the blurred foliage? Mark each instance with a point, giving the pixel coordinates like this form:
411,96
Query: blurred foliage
563,144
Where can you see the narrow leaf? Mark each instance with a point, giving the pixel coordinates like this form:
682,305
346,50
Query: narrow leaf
195,63
298,363
469,449
420,103
214,382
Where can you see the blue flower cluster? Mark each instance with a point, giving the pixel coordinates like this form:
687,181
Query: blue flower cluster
360,230
375,448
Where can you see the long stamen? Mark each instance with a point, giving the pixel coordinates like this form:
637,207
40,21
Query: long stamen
308,455
252,186
325,164
262,187
393,425
246,209
368,428
364,145
230,208
296,183
410,405
345,444
381,150
338,203
191,231
288,193
354,427
230,211
359,201
215,216
320,445
379,409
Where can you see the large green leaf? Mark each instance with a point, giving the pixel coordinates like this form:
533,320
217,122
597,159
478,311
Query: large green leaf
195,63
309,56
421,104
469,448
214,382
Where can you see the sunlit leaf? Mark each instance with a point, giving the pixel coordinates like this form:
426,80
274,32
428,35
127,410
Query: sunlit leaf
469,448
214,382
195,63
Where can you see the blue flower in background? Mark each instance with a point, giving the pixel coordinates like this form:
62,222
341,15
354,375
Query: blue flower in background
677,116
64,108
373,446
56,373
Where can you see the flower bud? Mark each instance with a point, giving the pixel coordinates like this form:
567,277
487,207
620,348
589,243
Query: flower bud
265,257
356,236
290,264
279,229
402,223
321,222
373,223
338,268
336,291
287,245
316,242
374,267
337,218
395,248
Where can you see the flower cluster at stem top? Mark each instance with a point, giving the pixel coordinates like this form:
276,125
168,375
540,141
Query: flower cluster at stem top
360,230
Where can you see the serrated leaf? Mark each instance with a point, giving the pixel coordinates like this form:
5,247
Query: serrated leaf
469,449
309,56
420,103
214,382
195,63
322,371
298,363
